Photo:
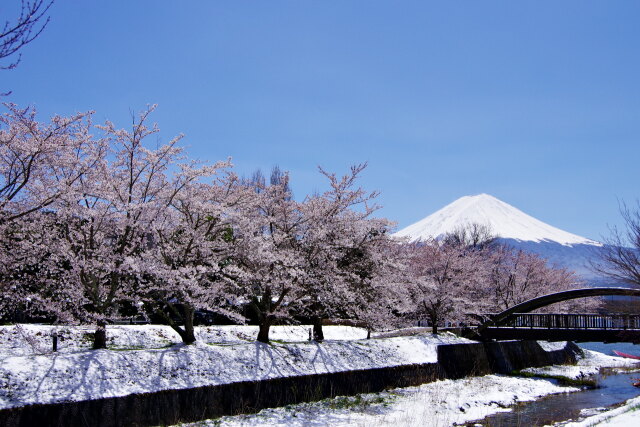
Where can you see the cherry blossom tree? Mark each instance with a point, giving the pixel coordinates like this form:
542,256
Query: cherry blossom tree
318,258
515,276
31,284
344,255
40,163
108,220
268,236
194,249
376,282
447,281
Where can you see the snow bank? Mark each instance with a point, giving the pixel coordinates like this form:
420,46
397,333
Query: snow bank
552,345
624,416
587,366
441,403
222,355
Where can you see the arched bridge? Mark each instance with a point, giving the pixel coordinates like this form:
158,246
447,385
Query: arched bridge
518,323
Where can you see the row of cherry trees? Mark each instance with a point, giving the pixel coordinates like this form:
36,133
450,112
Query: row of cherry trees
451,279
95,224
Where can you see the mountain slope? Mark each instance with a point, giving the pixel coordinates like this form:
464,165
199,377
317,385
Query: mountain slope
511,226
504,220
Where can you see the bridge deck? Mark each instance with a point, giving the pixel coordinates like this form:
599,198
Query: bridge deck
579,335
566,327
573,321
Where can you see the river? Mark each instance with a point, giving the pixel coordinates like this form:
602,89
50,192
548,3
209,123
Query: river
612,389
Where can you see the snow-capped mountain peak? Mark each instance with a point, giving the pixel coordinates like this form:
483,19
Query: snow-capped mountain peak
505,221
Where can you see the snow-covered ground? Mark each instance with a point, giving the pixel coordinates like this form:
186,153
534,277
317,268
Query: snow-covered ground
441,403
627,415
29,339
587,366
148,358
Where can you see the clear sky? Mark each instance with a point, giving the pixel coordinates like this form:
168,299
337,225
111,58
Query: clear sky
534,102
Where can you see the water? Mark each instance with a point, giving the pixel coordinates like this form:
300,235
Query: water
625,347
613,389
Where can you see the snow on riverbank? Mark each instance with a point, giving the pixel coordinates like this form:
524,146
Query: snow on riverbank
587,366
624,416
147,358
441,403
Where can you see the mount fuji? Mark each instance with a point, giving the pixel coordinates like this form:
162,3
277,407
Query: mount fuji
512,226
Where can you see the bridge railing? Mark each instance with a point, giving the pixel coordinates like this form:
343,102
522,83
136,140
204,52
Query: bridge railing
573,321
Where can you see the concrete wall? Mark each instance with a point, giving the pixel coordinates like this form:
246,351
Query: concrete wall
173,406
462,360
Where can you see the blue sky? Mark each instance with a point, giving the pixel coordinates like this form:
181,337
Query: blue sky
536,103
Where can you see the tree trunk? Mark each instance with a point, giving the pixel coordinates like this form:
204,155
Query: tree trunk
263,333
184,312
434,324
318,334
100,336
187,334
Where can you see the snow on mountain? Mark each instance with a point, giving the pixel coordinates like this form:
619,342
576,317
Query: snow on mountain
504,220
511,226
